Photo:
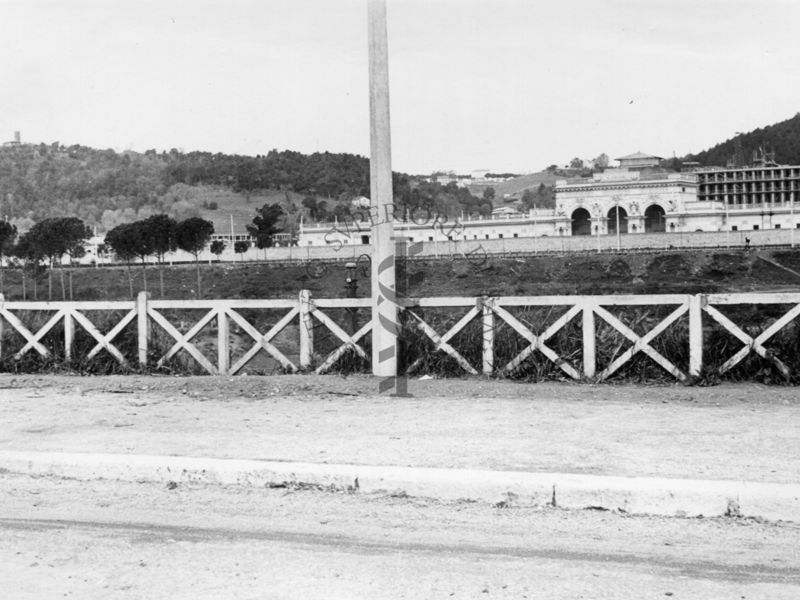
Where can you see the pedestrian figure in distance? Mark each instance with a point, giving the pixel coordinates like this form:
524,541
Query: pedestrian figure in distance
747,243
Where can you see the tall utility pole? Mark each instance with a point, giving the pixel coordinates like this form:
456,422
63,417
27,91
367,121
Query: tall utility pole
384,308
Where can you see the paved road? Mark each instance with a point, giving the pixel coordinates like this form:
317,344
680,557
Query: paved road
61,538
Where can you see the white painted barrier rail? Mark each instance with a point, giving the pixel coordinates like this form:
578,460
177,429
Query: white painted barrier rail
24,327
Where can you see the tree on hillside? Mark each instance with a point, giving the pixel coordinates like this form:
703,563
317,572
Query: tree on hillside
55,237
541,197
241,247
161,231
601,162
528,199
142,246
123,240
217,248
489,193
75,253
266,225
29,254
192,235
322,211
317,209
310,204
8,233
290,222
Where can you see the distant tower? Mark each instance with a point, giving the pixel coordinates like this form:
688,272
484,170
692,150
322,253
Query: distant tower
16,141
763,156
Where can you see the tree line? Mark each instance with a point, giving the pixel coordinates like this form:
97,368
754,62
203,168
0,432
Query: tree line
43,246
160,234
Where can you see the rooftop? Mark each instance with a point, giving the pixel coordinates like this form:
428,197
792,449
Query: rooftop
638,155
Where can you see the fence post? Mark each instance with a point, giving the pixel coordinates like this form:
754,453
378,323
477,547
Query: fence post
589,340
306,330
696,303
69,335
223,342
142,327
488,334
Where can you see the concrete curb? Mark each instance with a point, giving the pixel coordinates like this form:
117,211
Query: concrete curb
650,495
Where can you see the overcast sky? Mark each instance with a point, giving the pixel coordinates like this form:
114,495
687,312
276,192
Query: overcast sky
498,84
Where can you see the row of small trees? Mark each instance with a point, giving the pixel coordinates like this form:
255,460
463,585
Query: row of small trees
158,235
47,241
51,239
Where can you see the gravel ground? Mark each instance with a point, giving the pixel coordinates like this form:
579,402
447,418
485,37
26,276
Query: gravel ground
108,539
744,431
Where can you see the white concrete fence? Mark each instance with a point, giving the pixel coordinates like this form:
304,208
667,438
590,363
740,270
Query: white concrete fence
28,323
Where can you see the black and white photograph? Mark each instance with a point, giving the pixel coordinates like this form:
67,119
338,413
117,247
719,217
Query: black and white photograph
400,299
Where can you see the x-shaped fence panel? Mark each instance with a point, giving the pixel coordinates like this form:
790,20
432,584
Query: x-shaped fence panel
104,341
753,344
32,340
67,313
223,313
640,343
537,342
262,341
183,340
443,342
349,342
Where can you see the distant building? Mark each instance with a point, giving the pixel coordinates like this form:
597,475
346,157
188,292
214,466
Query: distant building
360,202
749,186
638,197
639,160
443,178
757,197
17,141
502,211
626,200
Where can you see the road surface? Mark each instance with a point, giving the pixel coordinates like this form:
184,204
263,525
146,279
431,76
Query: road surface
741,432
107,540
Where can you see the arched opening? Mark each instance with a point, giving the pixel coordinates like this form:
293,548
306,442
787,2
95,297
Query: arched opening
654,221
581,222
612,220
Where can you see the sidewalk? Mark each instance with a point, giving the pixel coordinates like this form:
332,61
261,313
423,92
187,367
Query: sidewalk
727,433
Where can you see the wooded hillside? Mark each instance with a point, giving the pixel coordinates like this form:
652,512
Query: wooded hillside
782,137
38,181
105,188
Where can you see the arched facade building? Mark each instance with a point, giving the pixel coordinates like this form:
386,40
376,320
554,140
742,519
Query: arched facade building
638,198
